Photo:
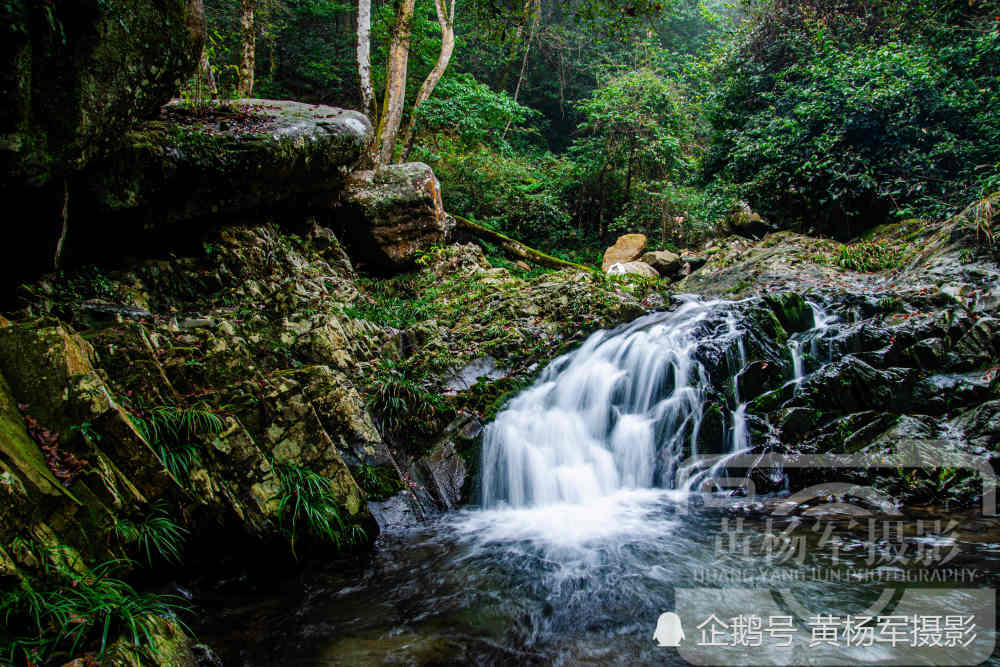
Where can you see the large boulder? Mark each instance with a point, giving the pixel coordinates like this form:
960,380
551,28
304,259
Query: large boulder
627,248
390,216
666,263
744,221
183,166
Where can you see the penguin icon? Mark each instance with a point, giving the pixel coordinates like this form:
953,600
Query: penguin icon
669,632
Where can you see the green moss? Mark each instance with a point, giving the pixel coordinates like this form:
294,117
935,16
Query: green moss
17,445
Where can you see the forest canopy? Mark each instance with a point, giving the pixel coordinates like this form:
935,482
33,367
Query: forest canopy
566,123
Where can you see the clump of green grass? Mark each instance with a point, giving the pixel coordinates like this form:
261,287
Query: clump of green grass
174,431
306,503
63,609
869,256
398,400
388,302
154,534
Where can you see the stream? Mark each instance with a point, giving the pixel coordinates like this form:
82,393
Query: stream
593,520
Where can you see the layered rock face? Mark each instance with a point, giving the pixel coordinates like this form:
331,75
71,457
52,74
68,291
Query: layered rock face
880,364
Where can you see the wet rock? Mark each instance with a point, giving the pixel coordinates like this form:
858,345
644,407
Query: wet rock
712,433
448,472
792,311
393,215
981,426
939,394
851,385
759,377
628,248
795,423
634,268
980,342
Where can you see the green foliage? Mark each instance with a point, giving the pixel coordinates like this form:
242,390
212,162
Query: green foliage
154,535
384,305
174,433
306,504
65,608
870,256
840,115
633,133
472,112
398,401
378,482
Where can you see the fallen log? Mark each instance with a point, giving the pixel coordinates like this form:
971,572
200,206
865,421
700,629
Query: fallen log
515,248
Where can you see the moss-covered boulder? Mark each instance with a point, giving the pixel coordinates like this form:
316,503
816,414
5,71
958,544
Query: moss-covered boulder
186,166
390,216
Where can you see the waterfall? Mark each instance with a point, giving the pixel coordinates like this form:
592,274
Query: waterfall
619,413
821,323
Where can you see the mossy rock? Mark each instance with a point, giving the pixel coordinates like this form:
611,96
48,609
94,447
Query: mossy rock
165,171
791,310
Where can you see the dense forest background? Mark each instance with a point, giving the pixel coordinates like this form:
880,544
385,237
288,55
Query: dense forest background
567,123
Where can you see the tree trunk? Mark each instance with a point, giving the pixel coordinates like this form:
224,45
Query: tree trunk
248,47
536,16
365,59
395,85
446,18
206,79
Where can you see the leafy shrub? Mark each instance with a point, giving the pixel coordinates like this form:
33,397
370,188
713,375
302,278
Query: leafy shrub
173,433
838,115
397,400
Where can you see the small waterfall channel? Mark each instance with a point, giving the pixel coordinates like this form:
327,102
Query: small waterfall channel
625,410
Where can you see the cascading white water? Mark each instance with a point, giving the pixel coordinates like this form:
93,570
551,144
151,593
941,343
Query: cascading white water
821,323
614,415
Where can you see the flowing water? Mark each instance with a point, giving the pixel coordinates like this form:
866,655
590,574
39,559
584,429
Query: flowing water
585,533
